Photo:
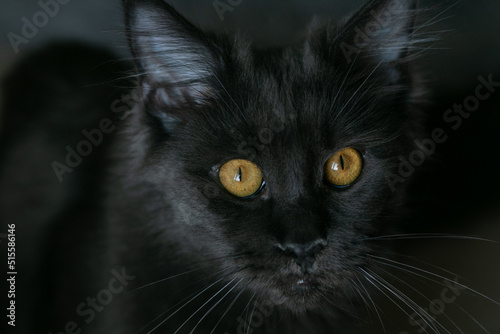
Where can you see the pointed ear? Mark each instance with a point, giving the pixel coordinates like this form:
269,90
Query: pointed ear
174,59
381,30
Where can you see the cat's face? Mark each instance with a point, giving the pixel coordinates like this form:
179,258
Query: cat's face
220,115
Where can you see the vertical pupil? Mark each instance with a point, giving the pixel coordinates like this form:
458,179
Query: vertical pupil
341,162
237,177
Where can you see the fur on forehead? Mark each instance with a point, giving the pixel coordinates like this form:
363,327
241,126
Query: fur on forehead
185,72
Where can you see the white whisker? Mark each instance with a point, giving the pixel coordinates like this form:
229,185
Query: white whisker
432,274
376,284
185,304
422,295
375,307
215,305
230,305
202,306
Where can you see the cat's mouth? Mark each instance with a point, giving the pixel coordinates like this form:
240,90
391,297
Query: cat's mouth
305,285
298,293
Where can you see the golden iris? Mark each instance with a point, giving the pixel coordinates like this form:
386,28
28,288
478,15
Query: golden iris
240,177
344,167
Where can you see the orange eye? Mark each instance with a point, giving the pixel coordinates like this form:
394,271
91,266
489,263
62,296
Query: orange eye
344,167
241,178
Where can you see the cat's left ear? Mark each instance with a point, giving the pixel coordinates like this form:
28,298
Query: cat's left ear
176,62
382,30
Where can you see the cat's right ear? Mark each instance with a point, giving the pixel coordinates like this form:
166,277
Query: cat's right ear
175,61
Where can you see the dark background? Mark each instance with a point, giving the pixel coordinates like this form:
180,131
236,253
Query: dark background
458,188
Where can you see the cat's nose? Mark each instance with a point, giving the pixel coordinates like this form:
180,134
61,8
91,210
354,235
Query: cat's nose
303,254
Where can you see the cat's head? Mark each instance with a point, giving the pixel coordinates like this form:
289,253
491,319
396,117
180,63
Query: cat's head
279,161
